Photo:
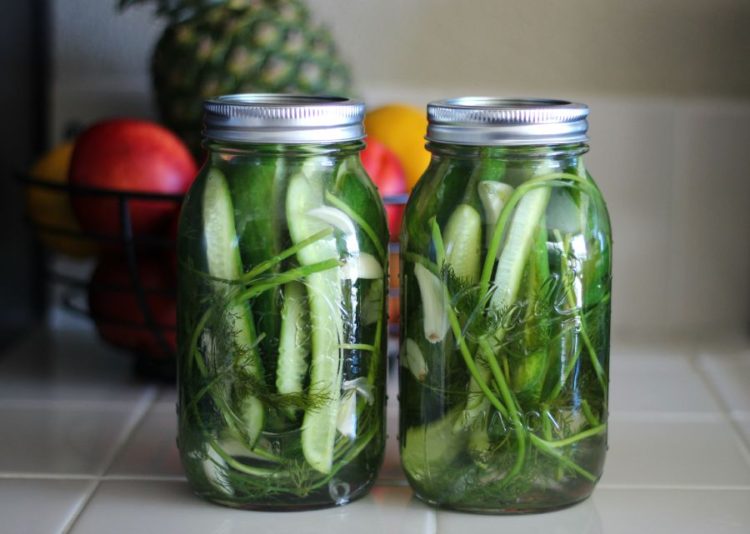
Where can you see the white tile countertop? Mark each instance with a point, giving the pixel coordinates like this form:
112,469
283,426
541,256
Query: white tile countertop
86,448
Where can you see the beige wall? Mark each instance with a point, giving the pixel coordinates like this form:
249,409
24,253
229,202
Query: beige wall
667,47
668,82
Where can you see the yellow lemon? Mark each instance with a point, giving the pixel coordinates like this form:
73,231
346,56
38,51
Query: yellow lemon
402,129
51,207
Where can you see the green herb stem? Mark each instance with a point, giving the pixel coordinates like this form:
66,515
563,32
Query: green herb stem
239,466
550,180
437,240
512,405
364,225
588,414
567,279
424,262
469,360
291,251
292,275
560,457
594,431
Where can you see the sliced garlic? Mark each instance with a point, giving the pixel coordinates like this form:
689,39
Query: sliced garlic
494,196
413,360
362,265
433,304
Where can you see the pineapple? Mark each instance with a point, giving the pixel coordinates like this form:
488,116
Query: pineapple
214,47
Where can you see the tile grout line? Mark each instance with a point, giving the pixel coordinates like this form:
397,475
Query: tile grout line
68,404
433,521
144,478
96,478
734,416
668,416
675,487
396,484
91,490
141,409
725,409
47,476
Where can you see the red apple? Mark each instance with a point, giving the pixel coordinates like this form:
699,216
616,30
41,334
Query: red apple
129,155
385,169
118,314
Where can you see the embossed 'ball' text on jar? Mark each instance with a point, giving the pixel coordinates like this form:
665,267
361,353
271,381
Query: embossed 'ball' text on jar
282,251
505,310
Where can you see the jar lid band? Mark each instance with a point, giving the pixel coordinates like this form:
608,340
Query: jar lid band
279,118
506,121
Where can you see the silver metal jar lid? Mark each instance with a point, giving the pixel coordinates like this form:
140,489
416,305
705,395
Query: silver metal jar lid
506,121
279,118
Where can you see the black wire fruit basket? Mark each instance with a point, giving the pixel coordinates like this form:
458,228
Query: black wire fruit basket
135,306
139,314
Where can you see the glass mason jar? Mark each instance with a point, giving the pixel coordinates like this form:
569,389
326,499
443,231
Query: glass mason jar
505,309
282,252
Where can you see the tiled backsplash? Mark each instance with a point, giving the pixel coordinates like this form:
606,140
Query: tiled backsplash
676,176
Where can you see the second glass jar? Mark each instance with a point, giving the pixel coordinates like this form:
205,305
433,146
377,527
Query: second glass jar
505,280
282,307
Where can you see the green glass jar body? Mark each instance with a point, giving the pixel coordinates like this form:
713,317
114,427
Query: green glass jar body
282,253
505,310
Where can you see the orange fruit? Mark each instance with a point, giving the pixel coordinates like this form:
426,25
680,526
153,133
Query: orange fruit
51,207
402,128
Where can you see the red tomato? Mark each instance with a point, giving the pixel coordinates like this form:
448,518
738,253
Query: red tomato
129,155
383,166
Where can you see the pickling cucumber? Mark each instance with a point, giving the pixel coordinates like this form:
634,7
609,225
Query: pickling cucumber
512,260
463,242
257,190
305,193
223,262
293,341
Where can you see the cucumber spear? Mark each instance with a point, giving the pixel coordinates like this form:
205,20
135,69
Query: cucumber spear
324,293
224,262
